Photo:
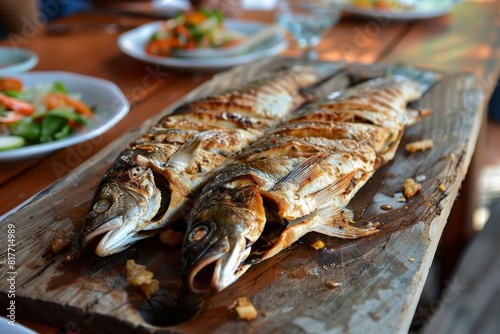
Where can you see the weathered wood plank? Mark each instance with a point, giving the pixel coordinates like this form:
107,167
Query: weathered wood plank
381,275
470,304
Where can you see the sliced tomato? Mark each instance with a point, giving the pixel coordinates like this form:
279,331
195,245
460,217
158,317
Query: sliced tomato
161,47
58,99
13,104
7,83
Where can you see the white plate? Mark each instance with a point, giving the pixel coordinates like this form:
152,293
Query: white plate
5,327
422,9
109,101
133,43
15,60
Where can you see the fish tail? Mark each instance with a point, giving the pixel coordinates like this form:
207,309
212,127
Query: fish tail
425,78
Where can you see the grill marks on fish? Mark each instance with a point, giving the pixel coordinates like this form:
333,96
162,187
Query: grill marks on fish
178,154
303,173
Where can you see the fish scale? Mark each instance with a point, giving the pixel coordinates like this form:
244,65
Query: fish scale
177,155
298,178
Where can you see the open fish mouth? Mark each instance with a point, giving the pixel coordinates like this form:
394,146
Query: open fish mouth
92,238
214,272
113,237
203,276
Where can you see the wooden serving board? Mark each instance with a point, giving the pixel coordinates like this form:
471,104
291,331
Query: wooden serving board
380,276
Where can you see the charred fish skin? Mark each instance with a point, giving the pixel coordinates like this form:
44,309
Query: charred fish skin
306,171
176,156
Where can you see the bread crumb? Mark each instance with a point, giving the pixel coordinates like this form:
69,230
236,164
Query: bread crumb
245,309
420,145
137,275
411,259
411,188
318,244
452,157
442,187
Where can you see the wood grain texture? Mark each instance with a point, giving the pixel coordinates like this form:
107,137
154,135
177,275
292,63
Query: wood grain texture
471,302
381,276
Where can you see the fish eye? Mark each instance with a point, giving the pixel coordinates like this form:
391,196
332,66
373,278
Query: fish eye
102,205
198,233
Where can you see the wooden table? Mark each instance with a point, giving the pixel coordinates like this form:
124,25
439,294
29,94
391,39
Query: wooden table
468,39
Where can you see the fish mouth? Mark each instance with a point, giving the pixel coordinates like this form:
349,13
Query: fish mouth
216,272
110,225
204,275
113,237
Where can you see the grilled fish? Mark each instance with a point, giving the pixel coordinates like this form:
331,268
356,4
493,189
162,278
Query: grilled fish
152,182
297,179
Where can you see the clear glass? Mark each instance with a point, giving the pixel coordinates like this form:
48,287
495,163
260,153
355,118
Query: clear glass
307,21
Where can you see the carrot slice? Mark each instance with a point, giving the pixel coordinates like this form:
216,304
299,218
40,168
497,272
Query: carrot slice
56,100
195,18
7,83
161,47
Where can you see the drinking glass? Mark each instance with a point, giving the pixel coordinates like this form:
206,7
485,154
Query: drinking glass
307,21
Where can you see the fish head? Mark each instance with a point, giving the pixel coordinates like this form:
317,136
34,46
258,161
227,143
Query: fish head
126,201
213,253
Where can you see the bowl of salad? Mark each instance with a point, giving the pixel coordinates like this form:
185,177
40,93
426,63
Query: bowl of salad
45,111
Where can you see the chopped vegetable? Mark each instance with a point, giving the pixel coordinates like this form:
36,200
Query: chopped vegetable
202,29
10,84
10,142
13,104
38,114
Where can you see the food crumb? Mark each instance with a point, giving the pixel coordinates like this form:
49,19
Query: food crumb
420,145
442,187
137,275
318,244
452,157
61,241
245,309
401,199
332,284
420,178
171,237
411,188
411,259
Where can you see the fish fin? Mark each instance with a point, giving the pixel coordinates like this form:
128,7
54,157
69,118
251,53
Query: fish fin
415,115
336,222
184,155
328,194
425,78
301,174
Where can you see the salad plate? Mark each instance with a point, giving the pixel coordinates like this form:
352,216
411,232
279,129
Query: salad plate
107,100
15,60
415,10
133,43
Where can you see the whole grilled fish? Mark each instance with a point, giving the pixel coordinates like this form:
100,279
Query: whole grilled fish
152,181
297,179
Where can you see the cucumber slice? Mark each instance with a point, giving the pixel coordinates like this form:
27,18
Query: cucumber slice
11,142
